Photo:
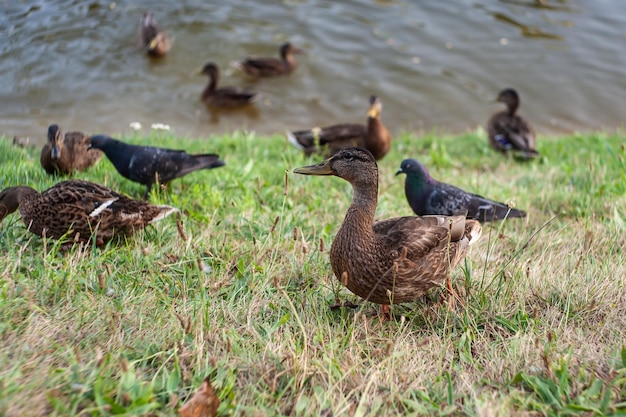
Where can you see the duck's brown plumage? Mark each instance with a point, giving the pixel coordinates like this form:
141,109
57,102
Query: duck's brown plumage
224,97
508,131
373,136
78,209
270,66
65,154
394,260
155,41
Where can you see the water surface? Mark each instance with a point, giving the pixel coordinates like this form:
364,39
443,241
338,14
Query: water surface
435,64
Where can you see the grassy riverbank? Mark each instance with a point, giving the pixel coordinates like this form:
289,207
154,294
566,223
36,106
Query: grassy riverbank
242,293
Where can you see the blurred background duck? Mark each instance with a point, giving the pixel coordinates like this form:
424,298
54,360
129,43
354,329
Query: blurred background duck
156,42
509,132
395,260
329,140
270,66
65,154
78,209
426,196
223,97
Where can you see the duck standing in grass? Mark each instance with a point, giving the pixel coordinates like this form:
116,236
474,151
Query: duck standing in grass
79,210
65,154
270,66
156,42
331,139
508,131
429,196
223,97
395,260
148,165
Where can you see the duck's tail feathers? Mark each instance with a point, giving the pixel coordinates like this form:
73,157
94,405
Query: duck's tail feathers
291,138
526,155
473,230
164,211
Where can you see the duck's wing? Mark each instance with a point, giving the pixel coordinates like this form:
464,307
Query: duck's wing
262,66
335,137
508,132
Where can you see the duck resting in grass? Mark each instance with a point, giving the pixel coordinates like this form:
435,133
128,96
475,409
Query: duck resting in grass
66,154
329,140
395,260
508,131
79,211
426,196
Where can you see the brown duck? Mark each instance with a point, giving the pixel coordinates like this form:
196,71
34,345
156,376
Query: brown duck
78,210
155,41
224,97
64,155
270,66
331,139
395,260
508,131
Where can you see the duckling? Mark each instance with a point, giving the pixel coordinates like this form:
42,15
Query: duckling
64,155
426,195
508,131
395,260
79,210
269,66
331,139
154,39
225,97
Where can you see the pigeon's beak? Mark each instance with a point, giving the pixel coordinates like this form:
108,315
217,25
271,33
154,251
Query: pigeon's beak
323,168
55,152
399,171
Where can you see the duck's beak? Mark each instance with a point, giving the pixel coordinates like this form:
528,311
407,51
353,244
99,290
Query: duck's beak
55,152
400,171
154,42
323,168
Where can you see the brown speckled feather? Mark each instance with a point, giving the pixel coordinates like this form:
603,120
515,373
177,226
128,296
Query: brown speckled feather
72,152
77,209
331,139
395,260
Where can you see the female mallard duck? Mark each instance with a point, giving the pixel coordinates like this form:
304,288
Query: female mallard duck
224,96
78,210
66,154
269,66
394,260
508,131
154,39
374,137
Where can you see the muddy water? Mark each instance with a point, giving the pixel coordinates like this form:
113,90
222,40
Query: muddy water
435,64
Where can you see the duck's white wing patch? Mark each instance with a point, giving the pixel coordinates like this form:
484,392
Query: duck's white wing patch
103,207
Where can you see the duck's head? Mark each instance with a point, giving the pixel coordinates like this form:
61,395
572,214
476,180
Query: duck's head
376,107
55,140
209,69
10,199
288,49
355,165
509,97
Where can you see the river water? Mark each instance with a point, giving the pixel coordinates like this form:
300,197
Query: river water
435,64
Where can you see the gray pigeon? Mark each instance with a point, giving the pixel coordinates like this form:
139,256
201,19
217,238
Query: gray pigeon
429,196
147,164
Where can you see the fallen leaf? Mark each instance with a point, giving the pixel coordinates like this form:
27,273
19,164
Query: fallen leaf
203,403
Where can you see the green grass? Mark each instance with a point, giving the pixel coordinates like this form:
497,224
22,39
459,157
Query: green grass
244,294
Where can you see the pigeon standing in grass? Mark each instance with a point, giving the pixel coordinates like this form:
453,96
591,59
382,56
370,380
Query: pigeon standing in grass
148,164
429,196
